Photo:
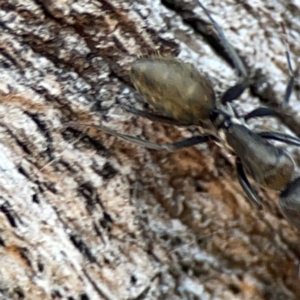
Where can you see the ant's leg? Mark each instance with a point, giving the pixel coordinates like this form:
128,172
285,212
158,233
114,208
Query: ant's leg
152,116
248,189
289,202
290,85
262,112
188,142
235,91
239,65
278,136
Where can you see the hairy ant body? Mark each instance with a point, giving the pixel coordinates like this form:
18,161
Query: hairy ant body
183,96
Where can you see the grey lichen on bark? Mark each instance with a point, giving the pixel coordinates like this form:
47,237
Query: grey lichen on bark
87,216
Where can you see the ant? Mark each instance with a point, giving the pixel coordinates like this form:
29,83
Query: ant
185,97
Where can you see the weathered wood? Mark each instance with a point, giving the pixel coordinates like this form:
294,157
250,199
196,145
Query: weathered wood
84,215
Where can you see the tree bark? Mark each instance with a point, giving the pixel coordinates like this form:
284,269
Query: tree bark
84,215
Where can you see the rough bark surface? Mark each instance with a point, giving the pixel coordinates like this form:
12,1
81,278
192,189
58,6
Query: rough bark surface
84,215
